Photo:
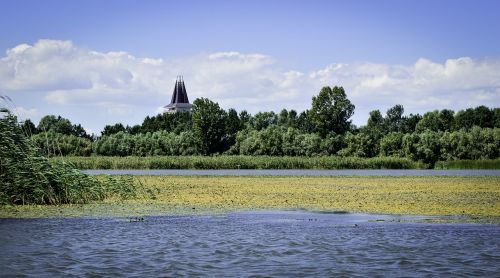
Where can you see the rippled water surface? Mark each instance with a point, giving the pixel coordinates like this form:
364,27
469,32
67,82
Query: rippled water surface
244,244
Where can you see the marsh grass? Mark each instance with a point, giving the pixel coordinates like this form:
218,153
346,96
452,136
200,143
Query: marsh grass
469,164
27,177
239,162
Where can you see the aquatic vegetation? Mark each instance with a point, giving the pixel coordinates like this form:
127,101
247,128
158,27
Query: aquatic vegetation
239,162
398,195
27,177
472,197
469,164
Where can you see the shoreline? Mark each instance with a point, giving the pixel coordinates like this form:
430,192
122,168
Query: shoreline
66,212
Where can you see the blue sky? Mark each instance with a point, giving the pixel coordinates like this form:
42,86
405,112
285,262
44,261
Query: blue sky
100,62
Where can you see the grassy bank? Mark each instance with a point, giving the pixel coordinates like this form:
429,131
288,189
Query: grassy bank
469,164
238,162
162,195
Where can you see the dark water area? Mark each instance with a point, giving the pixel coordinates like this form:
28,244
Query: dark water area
248,243
299,172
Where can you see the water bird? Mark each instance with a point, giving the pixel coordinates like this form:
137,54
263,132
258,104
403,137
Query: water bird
137,219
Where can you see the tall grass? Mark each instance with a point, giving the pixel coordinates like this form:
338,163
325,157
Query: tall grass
26,177
239,162
469,164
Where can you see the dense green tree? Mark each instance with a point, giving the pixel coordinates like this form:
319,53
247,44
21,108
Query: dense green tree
362,144
209,126
52,143
62,126
29,127
436,121
169,122
233,125
57,124
480,116
331,111
391,144
375,121
304,123
113,129
394,118
245,118
283,117
410,122
496,117
135,129
262,120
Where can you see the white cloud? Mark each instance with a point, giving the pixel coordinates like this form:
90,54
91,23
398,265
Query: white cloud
118,83
24,113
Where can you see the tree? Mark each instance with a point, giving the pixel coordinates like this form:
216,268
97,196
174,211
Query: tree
262,120
62,126
331,111
436,121
304,123
208,125
57,124
29,127
233,125
375,120
480,116
113,129
394,118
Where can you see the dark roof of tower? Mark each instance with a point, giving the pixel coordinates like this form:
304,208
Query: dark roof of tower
179,95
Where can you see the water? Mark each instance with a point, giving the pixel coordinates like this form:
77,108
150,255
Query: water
245,244
298,172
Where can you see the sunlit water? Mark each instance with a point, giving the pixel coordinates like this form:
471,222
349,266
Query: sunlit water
298,172
244,244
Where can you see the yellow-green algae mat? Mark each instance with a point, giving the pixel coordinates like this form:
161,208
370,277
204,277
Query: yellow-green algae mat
474,197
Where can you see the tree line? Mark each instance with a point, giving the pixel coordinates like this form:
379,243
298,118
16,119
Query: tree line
325,129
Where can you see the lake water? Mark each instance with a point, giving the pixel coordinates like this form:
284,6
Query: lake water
298,172
276,243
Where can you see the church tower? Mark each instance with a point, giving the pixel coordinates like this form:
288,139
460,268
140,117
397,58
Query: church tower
180,101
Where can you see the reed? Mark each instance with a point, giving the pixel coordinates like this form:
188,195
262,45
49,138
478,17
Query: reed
469,164
238,162
27,177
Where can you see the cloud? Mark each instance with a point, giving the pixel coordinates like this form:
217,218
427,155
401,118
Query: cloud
118,83
24,113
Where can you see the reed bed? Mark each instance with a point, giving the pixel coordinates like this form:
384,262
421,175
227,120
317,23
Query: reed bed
26,177
469,164
238,162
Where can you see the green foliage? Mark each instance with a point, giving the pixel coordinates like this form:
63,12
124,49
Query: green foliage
282,141
61,125
146,144
391,144
169,122
239,162
53,144
262,120
26,177
323,130
493,164
363,144
330,111
113,129
209,126
436,121
480,116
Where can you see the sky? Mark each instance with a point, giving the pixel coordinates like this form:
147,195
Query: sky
103,62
